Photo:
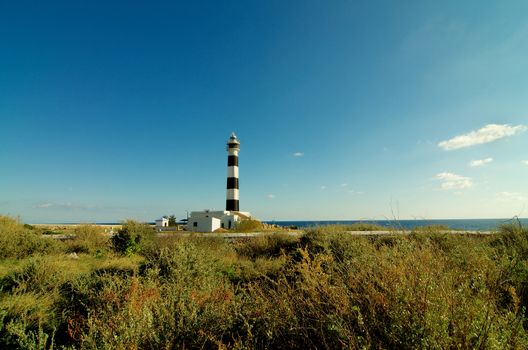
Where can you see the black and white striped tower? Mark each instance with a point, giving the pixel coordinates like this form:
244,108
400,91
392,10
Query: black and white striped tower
233,146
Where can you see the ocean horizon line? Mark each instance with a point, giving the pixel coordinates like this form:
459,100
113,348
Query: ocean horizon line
455,224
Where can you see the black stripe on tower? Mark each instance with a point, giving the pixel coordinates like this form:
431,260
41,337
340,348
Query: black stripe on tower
232,160
232,182
232,205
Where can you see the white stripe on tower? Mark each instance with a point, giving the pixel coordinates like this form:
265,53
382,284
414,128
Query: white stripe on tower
232,171
232,193
232,199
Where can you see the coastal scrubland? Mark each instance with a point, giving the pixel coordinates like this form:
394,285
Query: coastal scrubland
322,289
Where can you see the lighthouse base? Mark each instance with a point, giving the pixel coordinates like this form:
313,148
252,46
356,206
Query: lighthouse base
210,220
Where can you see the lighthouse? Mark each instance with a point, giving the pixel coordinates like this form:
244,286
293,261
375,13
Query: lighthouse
232,199
211,220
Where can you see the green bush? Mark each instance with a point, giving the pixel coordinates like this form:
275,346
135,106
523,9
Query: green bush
366,226
326,289
87,239
180,300
133,238
17,241
36,275
125,243
27,305
15,334
248,225
268,245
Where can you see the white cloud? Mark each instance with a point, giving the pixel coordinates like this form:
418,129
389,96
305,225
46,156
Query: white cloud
452,181
270,196
511,196
70,206
355,192
323,187
44,205
480,162
344,185
63,205
488,133
525,162
298,154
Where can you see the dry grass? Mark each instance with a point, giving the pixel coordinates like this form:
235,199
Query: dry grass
326,289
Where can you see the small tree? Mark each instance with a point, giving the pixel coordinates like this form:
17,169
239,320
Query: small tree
124,243
172,220
133,237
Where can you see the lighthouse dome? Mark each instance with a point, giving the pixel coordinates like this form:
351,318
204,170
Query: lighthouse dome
233,141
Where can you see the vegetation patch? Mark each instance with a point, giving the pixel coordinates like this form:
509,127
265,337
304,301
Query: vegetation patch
324,289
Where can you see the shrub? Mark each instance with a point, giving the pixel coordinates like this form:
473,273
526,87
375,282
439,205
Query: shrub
248,225
87,239
326,289
133,237
366,226
511,245
17,332
180,300
36,275
29,318
16,241
125,243
514,238
269,245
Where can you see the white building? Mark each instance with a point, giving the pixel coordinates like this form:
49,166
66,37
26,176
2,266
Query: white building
212,220
162,222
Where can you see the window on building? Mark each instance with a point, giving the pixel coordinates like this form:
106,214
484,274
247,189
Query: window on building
195,224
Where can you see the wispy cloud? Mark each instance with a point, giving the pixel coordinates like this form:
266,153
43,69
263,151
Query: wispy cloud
298,154
67,206
488,133
344,185
480,162
270,196
525,162
433,30
355,192
44,205
452,181
323,187
511,196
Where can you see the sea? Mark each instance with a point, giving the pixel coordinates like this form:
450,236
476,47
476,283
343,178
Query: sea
454,224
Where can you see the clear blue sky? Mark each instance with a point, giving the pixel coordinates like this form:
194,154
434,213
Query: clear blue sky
345,109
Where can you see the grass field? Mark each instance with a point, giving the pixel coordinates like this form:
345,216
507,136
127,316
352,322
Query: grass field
323,289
